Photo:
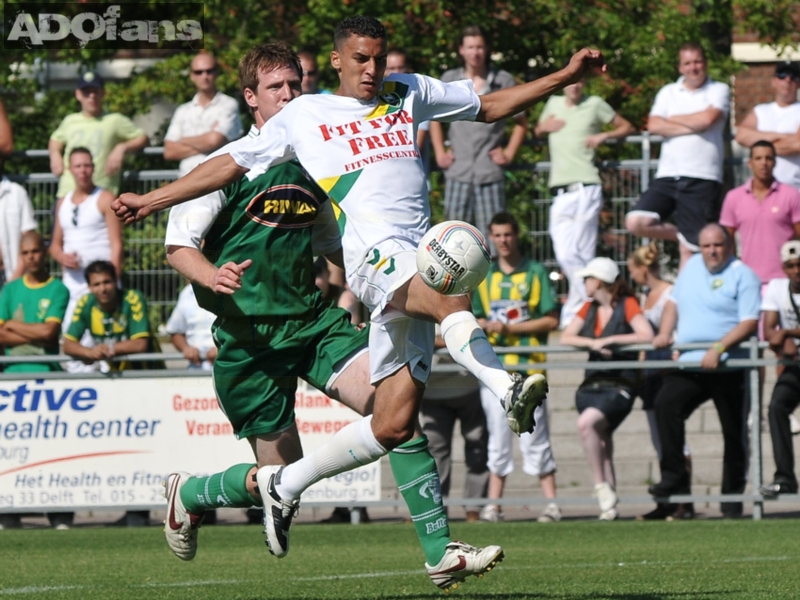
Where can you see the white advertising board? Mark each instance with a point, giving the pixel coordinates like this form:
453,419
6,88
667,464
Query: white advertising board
108,443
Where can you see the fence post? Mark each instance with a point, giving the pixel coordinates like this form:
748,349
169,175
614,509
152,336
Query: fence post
645,174
755,435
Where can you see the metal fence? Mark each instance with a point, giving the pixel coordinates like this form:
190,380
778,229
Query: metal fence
147,270
752,364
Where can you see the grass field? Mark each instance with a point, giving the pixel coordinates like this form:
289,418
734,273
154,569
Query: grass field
569,561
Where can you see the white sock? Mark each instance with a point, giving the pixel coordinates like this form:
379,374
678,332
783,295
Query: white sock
469,347
350,447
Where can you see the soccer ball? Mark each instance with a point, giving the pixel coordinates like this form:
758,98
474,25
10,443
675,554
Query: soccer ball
453,258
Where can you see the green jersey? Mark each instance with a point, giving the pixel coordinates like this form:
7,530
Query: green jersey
31,302
522,295
270,220
128,322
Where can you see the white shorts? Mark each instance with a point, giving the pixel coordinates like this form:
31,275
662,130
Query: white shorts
395,339
537,453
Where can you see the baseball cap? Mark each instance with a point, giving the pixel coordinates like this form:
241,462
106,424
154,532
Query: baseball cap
601,268
90,79
789,68
790,250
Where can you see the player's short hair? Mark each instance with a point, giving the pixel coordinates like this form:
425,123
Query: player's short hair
474,31
266,57
692,47
725,233
504,218
763,144
100,266
80,150
32,235
359,25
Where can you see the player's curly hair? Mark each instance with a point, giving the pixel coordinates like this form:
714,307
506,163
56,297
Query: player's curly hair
359,25
266,57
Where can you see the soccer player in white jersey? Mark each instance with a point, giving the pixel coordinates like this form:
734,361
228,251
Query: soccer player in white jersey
358,145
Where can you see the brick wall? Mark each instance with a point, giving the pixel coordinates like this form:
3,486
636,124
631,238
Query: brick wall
752,87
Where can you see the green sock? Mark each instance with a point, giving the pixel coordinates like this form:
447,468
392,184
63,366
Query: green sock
220,490
418,480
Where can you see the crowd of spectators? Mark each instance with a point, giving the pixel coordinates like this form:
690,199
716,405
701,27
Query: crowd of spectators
716,299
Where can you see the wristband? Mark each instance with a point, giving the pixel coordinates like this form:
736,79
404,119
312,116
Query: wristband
719,347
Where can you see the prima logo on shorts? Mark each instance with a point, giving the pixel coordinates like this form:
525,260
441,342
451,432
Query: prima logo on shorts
438,524
103,26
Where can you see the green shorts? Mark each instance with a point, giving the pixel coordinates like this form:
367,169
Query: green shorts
260,359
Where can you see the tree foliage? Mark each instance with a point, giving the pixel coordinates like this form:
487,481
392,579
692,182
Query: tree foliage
530,38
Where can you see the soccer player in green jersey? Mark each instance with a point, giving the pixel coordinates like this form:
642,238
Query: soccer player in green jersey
274,325
32,308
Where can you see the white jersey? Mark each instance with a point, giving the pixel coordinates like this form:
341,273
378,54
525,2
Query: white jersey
777,299
363,154
781,119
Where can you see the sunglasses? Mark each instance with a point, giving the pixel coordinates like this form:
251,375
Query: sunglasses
787,76
75,215
202,71
310,73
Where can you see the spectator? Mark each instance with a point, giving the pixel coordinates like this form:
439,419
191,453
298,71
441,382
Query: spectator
451,397
115,318
690,114
473,166
85,230
207,122
32,309
118,323
16,218
6,136
610,318
308,62
782,330
765,212
515,307
189,327
573,124
778,122
645,271
716,299
108,136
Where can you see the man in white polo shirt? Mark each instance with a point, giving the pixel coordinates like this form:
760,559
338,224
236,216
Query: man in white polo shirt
690,114
778,122
208,122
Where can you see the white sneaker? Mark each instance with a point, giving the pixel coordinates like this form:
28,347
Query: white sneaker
180,526
278,513
522,399
606,496
550,514
461,560
491,513
608,515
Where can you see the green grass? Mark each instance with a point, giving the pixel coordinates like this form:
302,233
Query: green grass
568,561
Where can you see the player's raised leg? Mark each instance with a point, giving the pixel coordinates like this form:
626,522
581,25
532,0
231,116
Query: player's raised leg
469,347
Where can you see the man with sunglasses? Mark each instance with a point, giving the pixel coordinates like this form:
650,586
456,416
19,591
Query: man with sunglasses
207,122
108,136
778,122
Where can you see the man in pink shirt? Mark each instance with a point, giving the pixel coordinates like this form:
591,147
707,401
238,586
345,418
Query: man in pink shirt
765,212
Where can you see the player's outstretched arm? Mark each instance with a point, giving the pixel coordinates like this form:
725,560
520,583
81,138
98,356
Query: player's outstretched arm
210,176
510,101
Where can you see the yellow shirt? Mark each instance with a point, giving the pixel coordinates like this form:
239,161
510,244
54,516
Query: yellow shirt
99,135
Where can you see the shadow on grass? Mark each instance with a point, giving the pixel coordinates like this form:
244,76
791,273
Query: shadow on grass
466,595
